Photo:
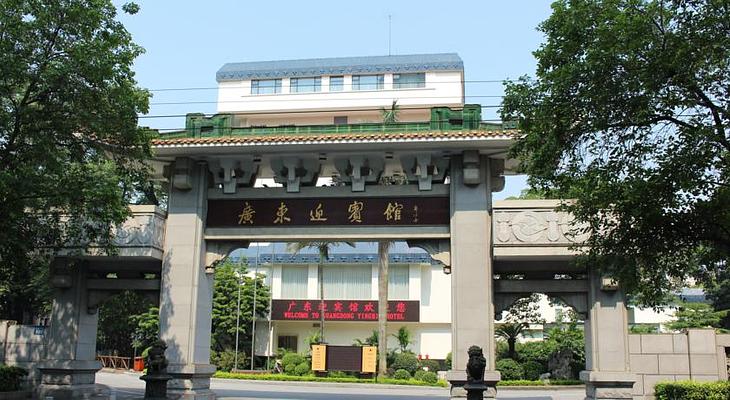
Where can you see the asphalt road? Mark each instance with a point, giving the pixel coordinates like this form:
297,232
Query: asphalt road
128,386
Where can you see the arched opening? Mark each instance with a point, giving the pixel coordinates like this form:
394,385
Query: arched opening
539,336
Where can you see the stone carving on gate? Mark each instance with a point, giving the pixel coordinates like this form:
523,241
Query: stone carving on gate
536,227
141,230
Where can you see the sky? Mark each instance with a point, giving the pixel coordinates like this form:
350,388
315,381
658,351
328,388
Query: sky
187,41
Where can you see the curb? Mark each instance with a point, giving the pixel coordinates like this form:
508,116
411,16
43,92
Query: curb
338,384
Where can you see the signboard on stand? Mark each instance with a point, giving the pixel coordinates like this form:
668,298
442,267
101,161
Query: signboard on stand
319,356
369,359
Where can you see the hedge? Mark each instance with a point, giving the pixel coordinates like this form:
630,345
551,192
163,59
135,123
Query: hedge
10,378
689,390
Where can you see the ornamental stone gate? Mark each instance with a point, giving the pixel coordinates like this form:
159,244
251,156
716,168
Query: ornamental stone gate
444,207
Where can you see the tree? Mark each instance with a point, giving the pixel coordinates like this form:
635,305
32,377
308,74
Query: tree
383,247
390,115
718,292
323,248
229,277
403,336
628,114
523,312
70,147
118,323
146,328
696,315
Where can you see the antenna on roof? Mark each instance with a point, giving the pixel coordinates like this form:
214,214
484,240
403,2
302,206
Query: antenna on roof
389,33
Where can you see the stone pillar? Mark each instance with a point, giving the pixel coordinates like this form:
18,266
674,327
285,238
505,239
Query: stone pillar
69,366
608,371
472,295
186,296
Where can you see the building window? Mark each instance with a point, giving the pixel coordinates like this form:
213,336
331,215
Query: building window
407,81
341,120
305,85
294,281
265,86
398,282
337,83
287,342
347,282
367,82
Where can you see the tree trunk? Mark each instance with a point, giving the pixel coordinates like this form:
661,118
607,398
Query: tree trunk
320,278
383,247
511,348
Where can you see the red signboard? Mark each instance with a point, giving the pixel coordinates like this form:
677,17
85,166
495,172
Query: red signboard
343,310
379,211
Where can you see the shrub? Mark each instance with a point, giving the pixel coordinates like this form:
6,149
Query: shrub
402,374
448,361
338,374
292,358
426,376
406,361
510,369
226,360
532,370
688,390
10,378
290,369
302,369
432,365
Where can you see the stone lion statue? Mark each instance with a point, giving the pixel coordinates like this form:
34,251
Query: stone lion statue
476,365
156,361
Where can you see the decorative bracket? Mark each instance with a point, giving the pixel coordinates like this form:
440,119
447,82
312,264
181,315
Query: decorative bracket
230,172
496,174
217,250
359,170
293,172
424,168
438,249
471,167
181,175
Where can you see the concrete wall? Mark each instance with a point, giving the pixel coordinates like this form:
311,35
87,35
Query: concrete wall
22,345
698,355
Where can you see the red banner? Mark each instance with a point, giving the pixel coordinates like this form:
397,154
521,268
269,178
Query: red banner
343,310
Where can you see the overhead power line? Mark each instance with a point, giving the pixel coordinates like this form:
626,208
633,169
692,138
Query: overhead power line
303,111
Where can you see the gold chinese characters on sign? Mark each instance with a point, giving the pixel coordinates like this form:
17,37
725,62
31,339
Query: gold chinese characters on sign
247,214
355,210
359,211
317,215
281,212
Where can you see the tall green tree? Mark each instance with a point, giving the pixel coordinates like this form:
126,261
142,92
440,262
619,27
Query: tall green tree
696,315
118,323
523,312
628,114
229,277
70,147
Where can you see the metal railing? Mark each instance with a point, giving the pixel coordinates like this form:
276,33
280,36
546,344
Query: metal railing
115,362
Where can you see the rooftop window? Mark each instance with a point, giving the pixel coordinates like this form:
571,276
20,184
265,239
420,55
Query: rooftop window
265,86
337,83
367,82
407,81
304,85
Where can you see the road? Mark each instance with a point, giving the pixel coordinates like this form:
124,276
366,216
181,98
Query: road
128,385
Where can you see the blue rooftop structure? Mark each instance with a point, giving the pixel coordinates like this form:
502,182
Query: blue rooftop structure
339,66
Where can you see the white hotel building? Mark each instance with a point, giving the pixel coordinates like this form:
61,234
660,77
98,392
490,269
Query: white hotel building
329,94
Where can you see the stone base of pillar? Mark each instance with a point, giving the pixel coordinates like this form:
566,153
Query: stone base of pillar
71,379
457,380
190,382
608,385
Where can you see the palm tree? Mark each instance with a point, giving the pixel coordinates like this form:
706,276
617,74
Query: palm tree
511,331
404,338
390,115
323,248
383,247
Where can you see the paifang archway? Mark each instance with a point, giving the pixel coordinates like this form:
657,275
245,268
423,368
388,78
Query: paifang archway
446,208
